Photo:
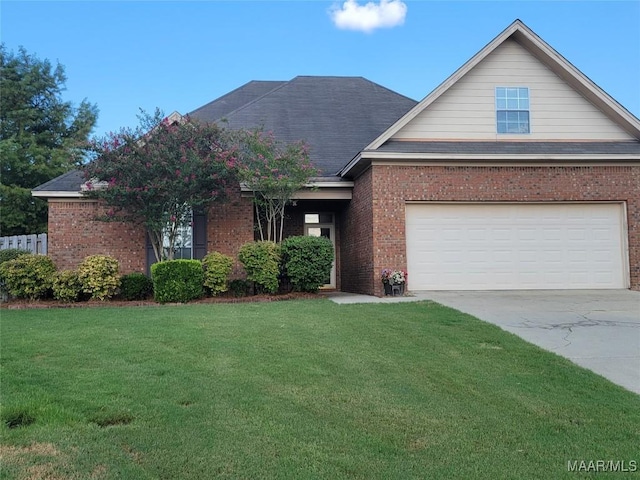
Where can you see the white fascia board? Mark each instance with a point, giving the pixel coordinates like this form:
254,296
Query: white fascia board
311,185
345,170
56,194
379,158
326,194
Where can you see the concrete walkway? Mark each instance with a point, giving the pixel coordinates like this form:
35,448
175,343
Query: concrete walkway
596,329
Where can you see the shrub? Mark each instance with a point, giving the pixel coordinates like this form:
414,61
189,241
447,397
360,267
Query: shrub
99,276
67,286
5,256
135,286
217,268
177,280
261,261
239,288
11,253
28,276
307,262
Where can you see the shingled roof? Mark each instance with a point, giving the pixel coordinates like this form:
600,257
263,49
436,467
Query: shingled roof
511,148
336,116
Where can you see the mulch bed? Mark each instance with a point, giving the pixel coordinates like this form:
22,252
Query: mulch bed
25,304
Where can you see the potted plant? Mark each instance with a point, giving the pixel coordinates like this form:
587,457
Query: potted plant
391,278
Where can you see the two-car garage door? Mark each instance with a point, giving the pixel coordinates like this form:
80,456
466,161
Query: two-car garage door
485,246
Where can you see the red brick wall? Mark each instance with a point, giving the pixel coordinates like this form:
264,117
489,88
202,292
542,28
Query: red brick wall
229,226
393,186
357,240
74,233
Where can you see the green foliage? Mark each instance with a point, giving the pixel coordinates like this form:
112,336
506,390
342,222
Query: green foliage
99,276
177,280
41,136
136,286
274,172
217,268
11,253
5,256
239,287
156,174
28,276
307,261
261,261
67,286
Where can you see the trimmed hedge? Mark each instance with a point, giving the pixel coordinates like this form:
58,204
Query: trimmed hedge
11,253
217,268
5,256
177,280
28,276
307,261
135,286
261,261
67,286
99,276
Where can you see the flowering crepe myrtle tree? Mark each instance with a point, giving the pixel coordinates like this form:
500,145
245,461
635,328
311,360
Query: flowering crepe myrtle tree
156,174
274,172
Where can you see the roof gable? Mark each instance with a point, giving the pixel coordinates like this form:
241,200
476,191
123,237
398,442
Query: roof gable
520,34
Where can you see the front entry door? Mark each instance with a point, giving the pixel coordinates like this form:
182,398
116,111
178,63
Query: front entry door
322,225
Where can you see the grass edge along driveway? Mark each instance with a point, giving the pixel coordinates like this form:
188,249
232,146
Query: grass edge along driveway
299,389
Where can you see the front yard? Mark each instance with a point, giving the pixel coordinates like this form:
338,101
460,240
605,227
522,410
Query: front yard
296,389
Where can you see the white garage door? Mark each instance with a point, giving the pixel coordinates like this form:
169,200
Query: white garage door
515,246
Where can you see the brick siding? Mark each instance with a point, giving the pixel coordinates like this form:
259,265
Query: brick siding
357,268
392,186
75,233
229,226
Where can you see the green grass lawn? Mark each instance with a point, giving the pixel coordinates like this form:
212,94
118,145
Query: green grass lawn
297,389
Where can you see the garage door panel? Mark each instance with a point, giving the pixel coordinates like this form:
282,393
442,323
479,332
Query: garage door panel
515,246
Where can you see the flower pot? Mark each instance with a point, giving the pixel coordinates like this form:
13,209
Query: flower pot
387,288
397,289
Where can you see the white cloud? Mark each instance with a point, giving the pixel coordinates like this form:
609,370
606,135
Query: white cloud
366,18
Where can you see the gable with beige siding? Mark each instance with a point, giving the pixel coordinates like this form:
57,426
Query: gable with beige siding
466,111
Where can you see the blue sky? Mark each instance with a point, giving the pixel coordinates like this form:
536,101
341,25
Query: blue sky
180,55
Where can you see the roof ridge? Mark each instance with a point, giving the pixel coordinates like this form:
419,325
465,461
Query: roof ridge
244,85
242,107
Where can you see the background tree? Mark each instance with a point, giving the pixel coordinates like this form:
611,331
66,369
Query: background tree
41,137
156,174
274,172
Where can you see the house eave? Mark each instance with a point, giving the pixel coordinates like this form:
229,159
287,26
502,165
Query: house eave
55,194
319,190
503,157
375,158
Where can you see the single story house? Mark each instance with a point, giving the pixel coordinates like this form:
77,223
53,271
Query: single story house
517,172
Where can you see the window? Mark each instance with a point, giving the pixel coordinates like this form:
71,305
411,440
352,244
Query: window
182,243
512,109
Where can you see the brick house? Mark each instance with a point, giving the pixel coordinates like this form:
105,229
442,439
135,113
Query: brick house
517,172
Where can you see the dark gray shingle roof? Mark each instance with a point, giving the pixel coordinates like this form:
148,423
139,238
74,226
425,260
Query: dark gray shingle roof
223,106
67,182
336,116
515,148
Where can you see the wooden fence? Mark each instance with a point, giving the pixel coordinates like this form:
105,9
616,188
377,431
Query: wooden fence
36,243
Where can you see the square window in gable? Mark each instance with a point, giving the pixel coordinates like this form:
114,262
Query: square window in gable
512,110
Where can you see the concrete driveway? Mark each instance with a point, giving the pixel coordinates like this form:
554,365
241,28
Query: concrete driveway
596,329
